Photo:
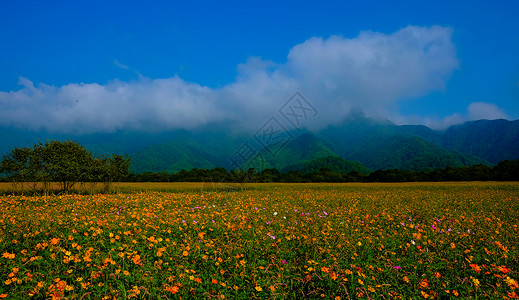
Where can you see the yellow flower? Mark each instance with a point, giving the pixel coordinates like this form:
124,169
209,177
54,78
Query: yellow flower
475,280
258,288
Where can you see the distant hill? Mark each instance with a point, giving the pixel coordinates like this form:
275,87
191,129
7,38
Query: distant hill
359,142
495,140
171,157
408,153
384,145
303,148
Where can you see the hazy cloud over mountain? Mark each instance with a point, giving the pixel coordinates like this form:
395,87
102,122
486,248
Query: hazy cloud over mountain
370,73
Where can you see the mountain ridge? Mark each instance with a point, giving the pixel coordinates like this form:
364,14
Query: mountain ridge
371,143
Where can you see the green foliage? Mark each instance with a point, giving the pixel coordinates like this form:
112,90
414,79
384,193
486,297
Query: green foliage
328,172
64,162
333,163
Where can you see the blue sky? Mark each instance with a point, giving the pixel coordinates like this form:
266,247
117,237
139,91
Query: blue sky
104,66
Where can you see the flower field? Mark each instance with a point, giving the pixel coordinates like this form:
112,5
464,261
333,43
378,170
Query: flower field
278,241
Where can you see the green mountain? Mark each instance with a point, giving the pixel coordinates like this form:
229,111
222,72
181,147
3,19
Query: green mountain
171,157
495,140
371,143
384,145
303,148
408,153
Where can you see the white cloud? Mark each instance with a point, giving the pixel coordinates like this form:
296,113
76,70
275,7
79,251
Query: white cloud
374,71
145,104
120,65
371,73
484,110
475,111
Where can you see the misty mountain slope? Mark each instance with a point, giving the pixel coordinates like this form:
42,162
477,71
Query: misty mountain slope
372,143
407,153
303,148
172,157
494,140
422,131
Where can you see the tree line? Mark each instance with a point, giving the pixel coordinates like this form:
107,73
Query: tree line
507,170
64,162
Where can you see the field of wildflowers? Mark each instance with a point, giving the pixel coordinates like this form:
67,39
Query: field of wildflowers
279,241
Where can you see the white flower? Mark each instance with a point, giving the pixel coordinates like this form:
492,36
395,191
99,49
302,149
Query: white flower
275,213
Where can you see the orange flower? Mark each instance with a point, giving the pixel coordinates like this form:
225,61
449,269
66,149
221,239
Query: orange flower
424,283
334,276
475,267
325,270
503,269
3,296
160,251
137,260
185,253
173,289
54,241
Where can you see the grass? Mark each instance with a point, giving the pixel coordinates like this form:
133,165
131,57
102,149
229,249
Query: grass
264,241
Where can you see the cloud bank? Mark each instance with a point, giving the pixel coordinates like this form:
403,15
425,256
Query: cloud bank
475,111
370,73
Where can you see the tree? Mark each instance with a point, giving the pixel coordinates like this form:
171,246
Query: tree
507,170
64,162
109,169
16,165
